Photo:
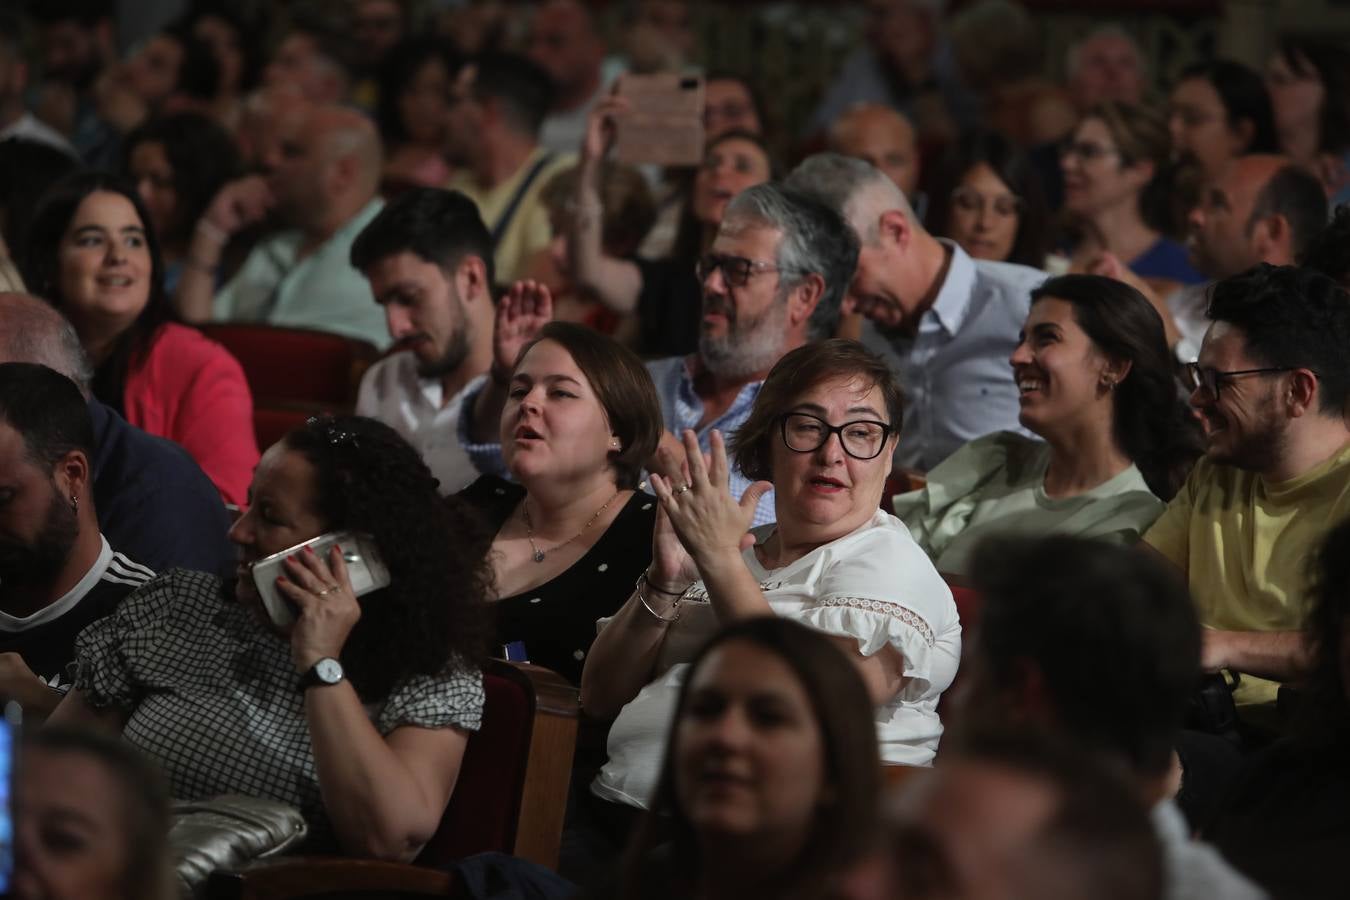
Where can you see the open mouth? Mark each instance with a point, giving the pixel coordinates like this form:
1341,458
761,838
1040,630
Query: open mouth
115,281
825,483
1028,385
526,433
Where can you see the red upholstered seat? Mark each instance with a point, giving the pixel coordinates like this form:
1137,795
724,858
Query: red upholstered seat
968,602
295,365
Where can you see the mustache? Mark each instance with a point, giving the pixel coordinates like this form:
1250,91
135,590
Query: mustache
722,306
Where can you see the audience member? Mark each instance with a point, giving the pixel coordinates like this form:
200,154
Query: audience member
322,188
154,503
989,200
178,163
776,709
1052,610
92,255
75,41
233,37
428,259
566,44
821,432
1112,169
357,712
998,49
881,137
1106,66
378,26
497,106
1096,384
944,322
658,36
1271,387
315,59
16,121
1219,110
1308,79
1328,251
626,212
91,819
57,572
414,87
1023,817
574,530
730,103
664,293
1285,821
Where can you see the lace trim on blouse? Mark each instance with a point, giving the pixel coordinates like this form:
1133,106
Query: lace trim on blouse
908,616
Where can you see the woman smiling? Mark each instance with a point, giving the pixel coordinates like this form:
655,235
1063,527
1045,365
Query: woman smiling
1096,384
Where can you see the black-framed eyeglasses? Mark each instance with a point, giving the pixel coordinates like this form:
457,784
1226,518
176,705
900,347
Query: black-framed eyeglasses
735,269
861,439
1211,379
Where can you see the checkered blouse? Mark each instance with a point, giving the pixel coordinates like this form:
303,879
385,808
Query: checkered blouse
213,694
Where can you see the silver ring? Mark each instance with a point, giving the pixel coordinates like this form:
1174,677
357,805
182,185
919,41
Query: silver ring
682,488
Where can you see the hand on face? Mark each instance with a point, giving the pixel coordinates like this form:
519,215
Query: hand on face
243,202
707,519
327,608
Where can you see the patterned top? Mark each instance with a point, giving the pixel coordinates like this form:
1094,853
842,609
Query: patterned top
213,696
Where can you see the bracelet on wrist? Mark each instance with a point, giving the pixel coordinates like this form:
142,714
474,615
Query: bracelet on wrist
642,598
646,578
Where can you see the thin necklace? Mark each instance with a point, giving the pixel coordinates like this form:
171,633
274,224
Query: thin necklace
529,528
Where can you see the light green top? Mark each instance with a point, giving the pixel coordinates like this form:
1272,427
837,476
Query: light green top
996,485
321,291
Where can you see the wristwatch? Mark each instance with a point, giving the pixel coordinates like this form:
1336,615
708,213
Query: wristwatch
324,672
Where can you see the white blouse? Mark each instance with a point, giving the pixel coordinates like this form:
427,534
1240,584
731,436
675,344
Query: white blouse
874,585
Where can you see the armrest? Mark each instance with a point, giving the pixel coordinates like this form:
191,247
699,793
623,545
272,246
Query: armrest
295,877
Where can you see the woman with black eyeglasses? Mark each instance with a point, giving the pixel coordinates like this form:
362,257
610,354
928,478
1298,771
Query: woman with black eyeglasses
1116,440
821,434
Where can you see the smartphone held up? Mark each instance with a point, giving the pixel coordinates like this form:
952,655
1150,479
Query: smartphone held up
365,568
664,122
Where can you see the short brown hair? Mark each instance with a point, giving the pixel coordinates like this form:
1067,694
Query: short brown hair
798,372
1139,131
624,388
628,210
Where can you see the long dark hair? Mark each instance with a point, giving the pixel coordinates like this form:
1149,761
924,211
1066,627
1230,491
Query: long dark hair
41,270
689,234
202,156
1243,94
1014,169
1152,424
845,822
433,613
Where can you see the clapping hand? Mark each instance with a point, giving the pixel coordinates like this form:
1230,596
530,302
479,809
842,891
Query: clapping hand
525,309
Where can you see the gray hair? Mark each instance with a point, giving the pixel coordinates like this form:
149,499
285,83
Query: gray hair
856,190
32,331
815,241
1074,57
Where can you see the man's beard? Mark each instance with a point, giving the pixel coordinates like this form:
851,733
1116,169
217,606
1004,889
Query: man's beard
1263,446
747,348
43,559
456,351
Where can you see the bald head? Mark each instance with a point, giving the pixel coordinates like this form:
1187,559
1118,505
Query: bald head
32,331
1260,208
882,137
341,132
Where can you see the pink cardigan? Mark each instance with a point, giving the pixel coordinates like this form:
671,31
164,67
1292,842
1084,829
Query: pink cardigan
190,390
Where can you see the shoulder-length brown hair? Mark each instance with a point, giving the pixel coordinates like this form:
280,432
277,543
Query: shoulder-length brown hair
795,374
848,810
625,391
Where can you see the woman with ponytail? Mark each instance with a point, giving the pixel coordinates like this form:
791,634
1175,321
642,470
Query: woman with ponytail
1116,439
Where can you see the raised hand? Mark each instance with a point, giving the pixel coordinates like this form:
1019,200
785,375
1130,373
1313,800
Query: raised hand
239,204
600,129
525,309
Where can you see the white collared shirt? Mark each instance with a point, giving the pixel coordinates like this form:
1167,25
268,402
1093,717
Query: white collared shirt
394,393
955,372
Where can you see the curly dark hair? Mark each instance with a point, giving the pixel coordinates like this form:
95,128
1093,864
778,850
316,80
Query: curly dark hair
434,611
41,268
1152,424
1326,717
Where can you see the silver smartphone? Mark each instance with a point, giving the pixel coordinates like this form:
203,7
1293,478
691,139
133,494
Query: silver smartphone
364,567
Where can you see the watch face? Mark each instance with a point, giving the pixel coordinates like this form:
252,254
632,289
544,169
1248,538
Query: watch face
328,671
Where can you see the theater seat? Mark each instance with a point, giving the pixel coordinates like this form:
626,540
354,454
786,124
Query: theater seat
511,797
295,365
901,481
968,604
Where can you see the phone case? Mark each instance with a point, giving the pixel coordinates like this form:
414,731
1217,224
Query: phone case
365,568
665,123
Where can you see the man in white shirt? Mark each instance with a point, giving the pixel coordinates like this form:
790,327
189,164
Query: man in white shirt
428,258
1104,651
945,322
15,120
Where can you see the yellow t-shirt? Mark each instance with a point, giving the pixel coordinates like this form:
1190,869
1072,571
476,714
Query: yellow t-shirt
529,230
1246,545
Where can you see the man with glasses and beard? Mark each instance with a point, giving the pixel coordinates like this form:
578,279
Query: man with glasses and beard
57,571
1271,386
428,258
772,280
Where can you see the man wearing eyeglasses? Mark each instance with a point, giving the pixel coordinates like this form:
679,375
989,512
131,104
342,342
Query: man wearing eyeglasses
946,323
1271,387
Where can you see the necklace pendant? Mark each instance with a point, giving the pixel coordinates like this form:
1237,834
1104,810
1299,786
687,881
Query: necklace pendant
538,556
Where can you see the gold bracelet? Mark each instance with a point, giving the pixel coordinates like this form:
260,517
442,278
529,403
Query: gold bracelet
642,598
